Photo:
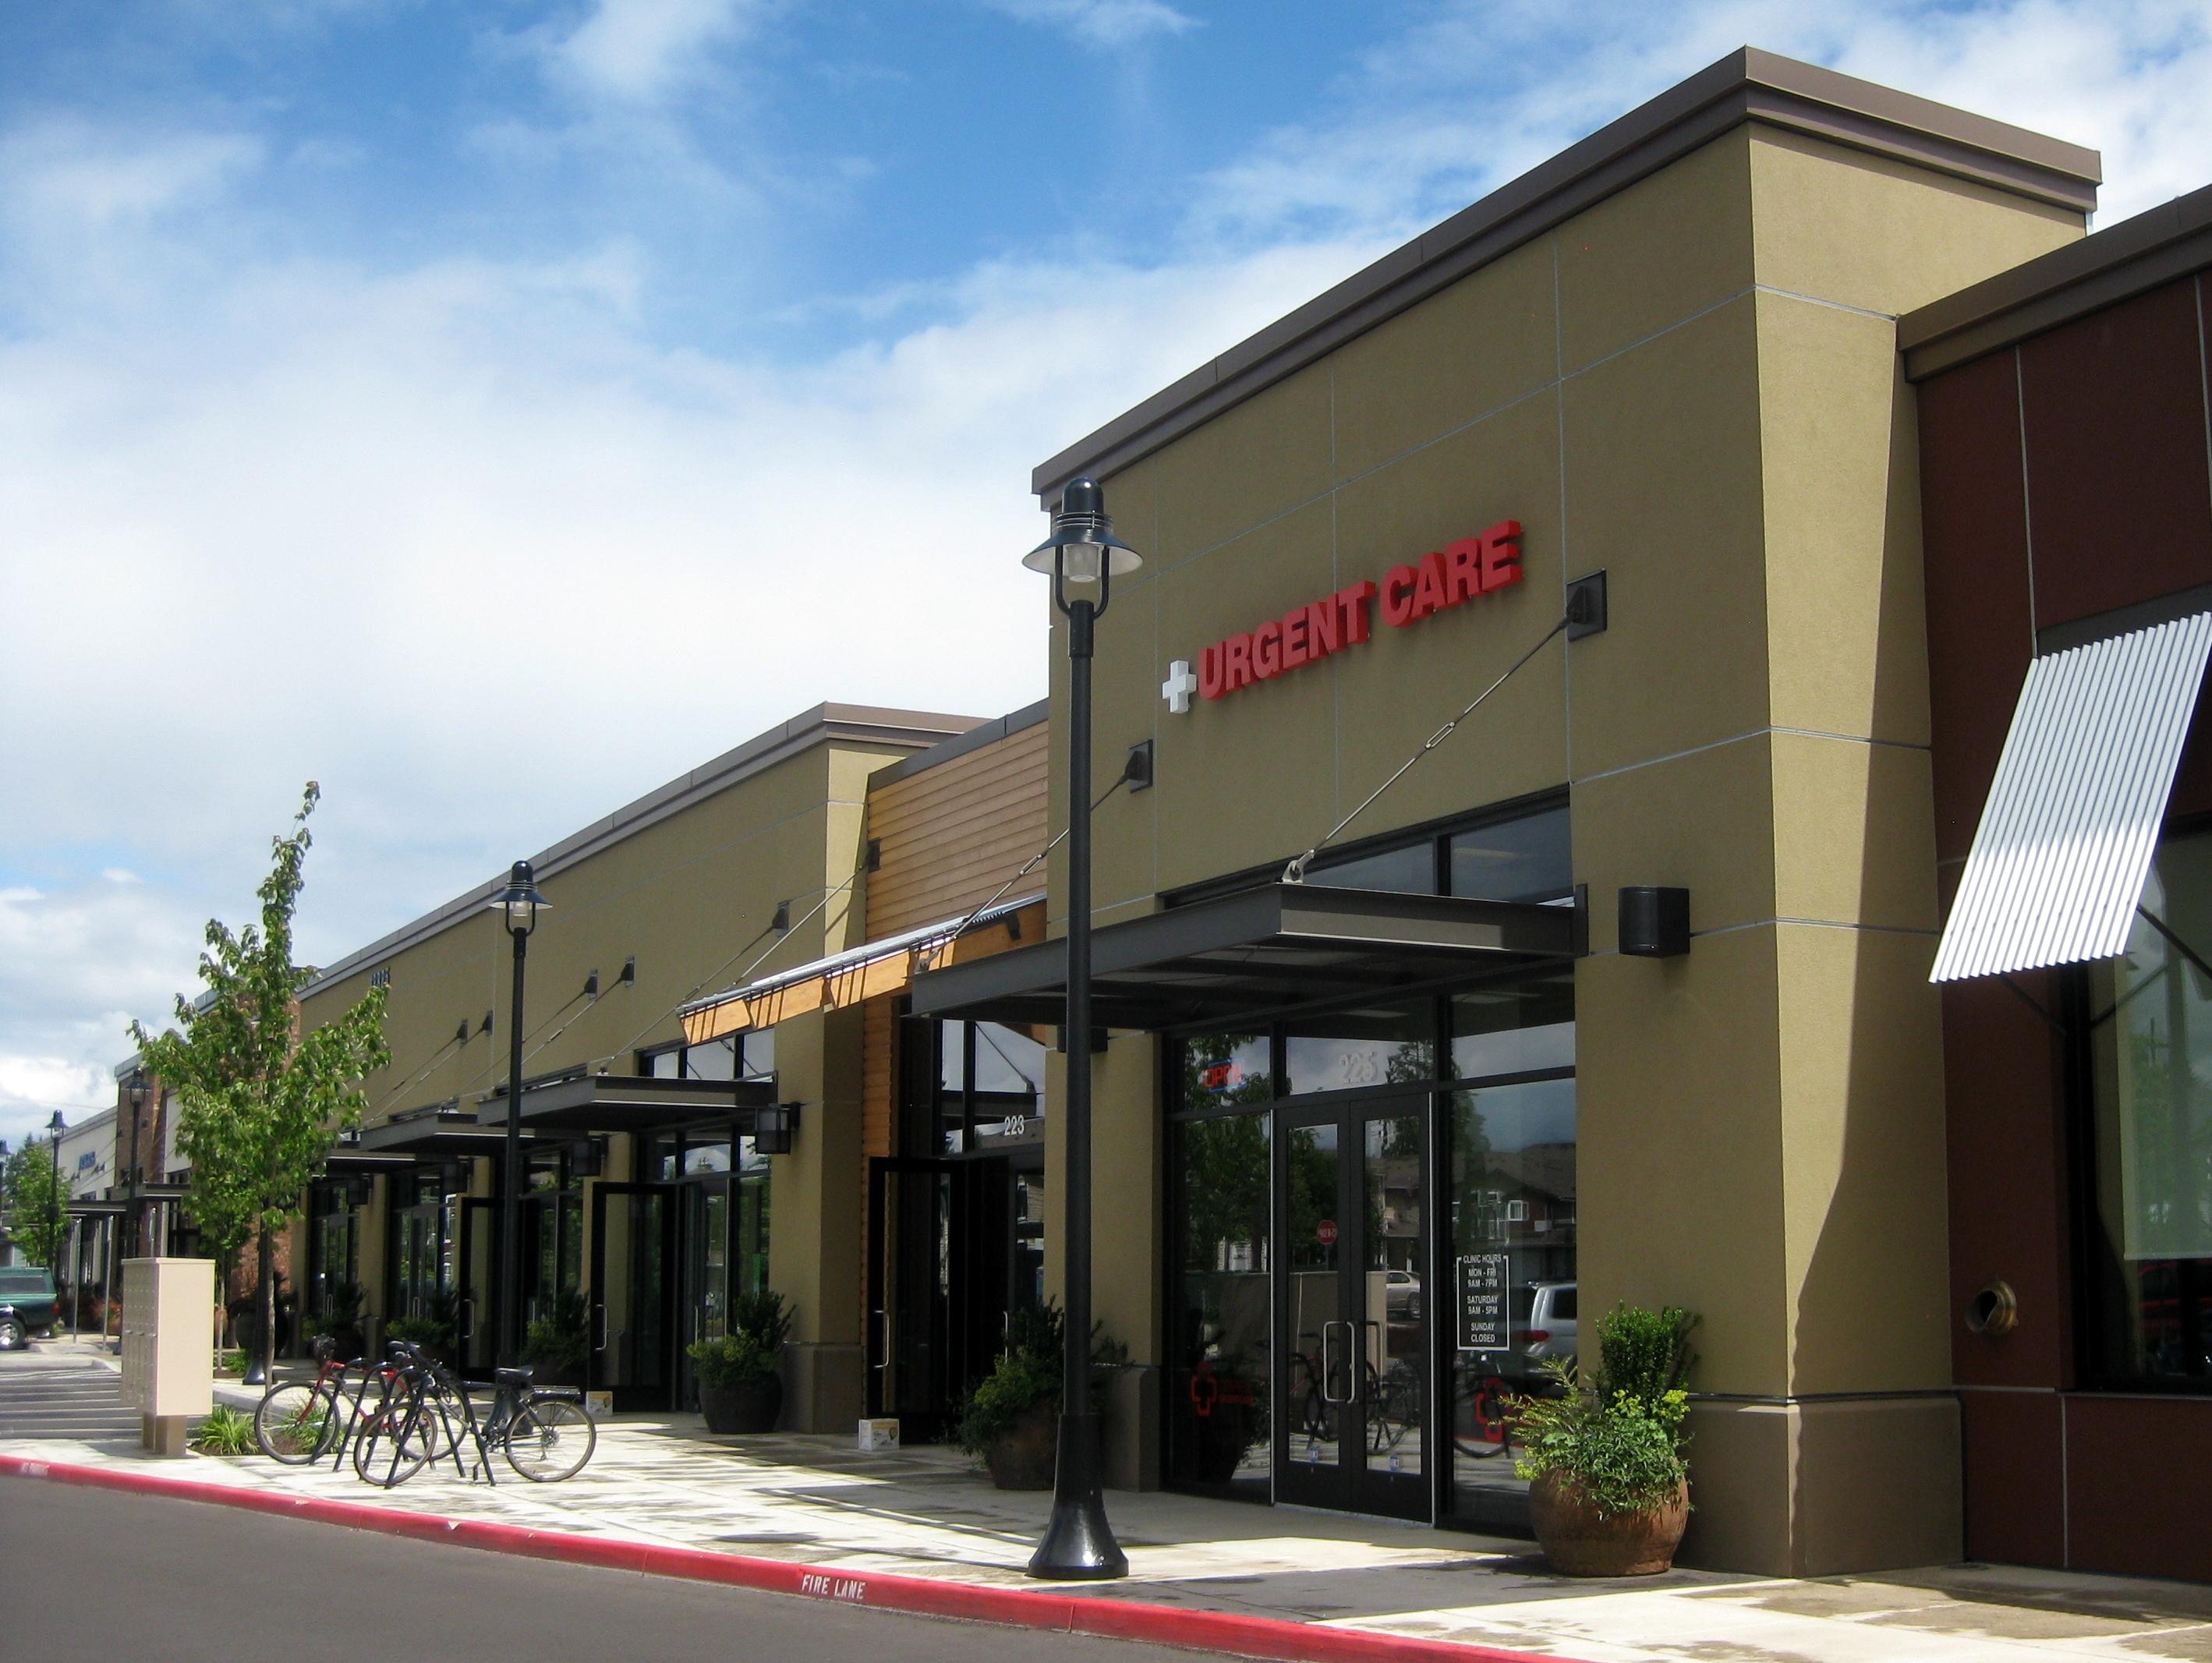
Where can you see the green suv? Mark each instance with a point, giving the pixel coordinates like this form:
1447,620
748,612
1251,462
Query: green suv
28,1305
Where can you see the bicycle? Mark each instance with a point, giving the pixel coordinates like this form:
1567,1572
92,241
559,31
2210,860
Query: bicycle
544,1433
296,1420
1495,1406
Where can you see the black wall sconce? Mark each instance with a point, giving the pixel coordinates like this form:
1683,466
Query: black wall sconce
773,1127
1655,923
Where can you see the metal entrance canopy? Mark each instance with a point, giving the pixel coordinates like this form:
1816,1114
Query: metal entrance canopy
442,1133
1244,955
631,1102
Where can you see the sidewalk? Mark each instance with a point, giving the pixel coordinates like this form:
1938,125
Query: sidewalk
922,1513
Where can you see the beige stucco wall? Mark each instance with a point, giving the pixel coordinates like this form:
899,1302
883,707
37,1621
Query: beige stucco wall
684,896
1693,385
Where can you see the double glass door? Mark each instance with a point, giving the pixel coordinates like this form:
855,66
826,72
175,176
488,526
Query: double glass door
1351,1371
956,1246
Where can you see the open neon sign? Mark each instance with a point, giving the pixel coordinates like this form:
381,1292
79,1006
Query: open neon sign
1439,580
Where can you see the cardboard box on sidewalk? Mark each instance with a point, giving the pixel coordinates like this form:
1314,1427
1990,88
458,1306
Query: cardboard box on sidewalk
878,1434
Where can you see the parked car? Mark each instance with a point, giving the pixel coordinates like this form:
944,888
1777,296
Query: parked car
1544,1314
1402,1295
28,1305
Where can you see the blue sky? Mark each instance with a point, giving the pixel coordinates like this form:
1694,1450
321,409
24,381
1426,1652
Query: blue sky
328,325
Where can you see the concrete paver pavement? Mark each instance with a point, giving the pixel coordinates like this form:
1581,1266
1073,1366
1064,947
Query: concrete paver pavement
922,1512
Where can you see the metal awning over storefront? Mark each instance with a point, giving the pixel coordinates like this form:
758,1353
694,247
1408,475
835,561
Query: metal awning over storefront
869,971
631,1102
445,1131
1220,962
2065,841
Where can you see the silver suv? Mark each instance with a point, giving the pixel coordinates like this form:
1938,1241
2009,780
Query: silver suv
1544,1317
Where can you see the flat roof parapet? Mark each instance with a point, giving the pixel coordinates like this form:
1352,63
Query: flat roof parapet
861,723
2108,266
1747,85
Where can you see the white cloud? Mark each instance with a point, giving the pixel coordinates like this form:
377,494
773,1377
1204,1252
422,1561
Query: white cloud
640,52
308,494
1100,22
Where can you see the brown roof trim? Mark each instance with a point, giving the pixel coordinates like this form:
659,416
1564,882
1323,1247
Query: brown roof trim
1747,85
857,724
976,738
2155,247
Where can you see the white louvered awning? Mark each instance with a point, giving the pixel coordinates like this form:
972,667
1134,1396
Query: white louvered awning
2066,838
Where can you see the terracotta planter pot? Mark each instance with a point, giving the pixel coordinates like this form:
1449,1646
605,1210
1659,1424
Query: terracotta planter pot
1025,1453
752,1406
1579,1542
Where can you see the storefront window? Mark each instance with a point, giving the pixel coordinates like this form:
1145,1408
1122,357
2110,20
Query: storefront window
1382,1045
1512,1268
1218,1417
1411,871
1519,1030
984,1093
1523,860
2150,1321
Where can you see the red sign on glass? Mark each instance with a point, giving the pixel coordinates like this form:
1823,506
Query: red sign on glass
1442,578
1325,1232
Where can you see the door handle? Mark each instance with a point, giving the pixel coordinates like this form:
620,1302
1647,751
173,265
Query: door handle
884,1339
468,1320
1327,1367
599,1316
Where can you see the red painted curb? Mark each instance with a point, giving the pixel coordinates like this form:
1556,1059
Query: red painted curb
1106,1615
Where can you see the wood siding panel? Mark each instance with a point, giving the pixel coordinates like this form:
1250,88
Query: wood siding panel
952,834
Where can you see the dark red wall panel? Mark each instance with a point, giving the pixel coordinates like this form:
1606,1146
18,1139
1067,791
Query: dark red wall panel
1981,631
2006,1171
2119,496
2136,1470
2016,1485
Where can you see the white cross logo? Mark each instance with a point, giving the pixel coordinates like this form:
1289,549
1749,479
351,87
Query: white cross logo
1179,686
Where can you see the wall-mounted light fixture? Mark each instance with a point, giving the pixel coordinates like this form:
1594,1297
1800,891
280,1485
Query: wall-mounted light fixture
1655,923
773,1127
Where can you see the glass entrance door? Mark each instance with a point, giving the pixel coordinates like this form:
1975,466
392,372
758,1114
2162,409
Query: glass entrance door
475,1315
632,1331
707,1282
1351,1373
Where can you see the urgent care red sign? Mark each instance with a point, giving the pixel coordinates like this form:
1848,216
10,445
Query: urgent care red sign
1439,580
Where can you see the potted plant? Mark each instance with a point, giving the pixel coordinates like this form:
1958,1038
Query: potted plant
340,1321
556,1345
739,1388
1010,1421
1610,1491
434,1331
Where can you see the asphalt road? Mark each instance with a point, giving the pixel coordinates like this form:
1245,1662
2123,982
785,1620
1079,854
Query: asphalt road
89,1571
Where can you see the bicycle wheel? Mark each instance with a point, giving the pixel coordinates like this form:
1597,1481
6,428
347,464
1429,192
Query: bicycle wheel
393,1444
549,1439
295,1423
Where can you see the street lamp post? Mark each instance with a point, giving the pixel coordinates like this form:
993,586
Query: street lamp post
134,1093
1083,556
520,903
54,1201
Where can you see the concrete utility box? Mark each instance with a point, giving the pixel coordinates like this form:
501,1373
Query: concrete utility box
168,1366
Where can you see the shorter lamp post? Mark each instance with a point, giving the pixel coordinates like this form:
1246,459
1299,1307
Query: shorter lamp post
1083,557
520,903
54,1201
134,1093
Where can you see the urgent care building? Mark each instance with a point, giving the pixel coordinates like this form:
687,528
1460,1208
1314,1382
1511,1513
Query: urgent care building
1621,992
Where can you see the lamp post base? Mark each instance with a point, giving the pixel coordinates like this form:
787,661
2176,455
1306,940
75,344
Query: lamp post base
1079,1544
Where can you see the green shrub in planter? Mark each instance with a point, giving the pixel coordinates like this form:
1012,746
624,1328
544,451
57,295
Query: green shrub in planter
1604,1452
1011,1420
556,1343
740,1389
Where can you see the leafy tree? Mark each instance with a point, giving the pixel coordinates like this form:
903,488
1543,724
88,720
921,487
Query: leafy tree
27,1188
261,1101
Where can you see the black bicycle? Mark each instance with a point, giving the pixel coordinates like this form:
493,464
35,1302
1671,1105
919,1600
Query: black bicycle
426,1413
